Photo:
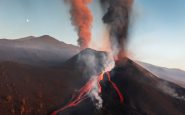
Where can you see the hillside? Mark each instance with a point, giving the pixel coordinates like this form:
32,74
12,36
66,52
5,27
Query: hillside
36,51
173,75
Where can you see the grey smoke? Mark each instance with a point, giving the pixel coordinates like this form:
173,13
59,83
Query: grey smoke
117,18
96,97
166,88
94,63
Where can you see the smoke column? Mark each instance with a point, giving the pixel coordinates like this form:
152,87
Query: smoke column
117,18
82,18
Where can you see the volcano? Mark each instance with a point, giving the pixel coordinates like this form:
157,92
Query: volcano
28,89
143,94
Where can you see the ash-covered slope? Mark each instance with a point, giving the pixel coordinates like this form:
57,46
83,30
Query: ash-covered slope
173,75
144,94
37,51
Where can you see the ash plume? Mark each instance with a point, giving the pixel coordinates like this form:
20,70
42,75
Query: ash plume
117,18
82,18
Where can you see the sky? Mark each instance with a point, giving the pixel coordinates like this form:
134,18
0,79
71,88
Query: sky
158,32
156,35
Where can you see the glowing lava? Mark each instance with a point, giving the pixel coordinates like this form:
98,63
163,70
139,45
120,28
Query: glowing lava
116,88
87,88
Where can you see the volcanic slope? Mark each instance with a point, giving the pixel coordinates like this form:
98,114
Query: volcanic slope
31,90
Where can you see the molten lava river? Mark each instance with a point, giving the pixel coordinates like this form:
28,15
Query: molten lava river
86,89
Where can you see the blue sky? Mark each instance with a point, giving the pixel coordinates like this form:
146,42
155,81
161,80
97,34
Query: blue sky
157,33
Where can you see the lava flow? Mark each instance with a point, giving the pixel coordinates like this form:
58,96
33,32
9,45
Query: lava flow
86,89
